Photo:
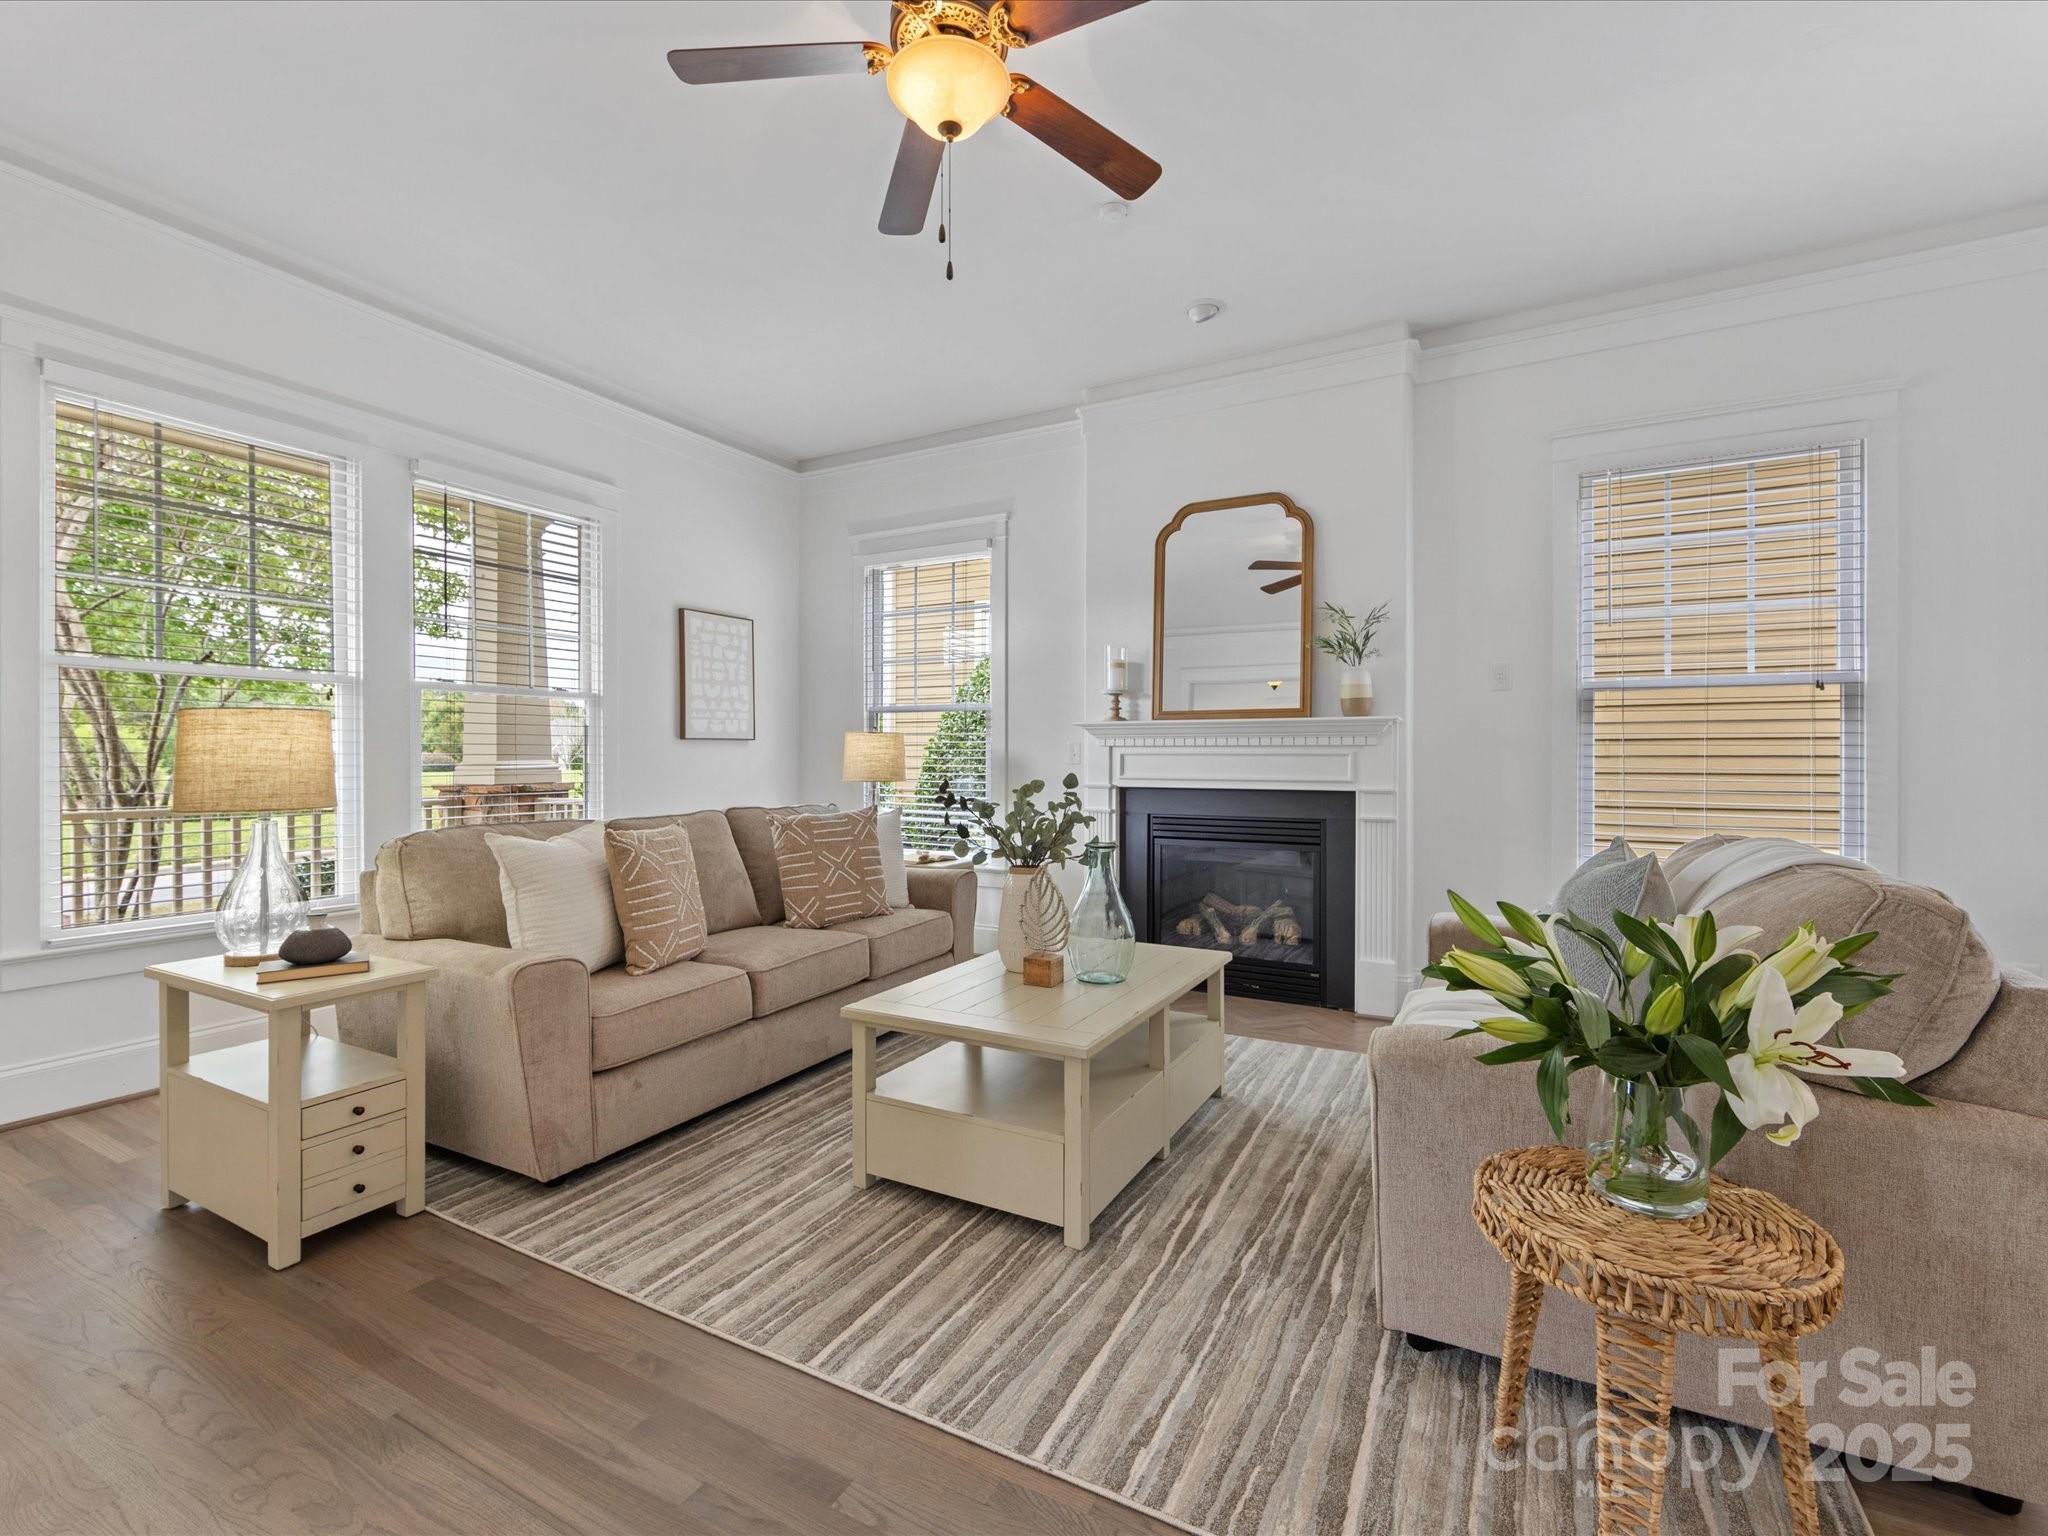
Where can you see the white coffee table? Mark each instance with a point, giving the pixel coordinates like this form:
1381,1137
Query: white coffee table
1045,1101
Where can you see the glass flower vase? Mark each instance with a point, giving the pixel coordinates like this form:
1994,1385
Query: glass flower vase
1653,1161
1101,941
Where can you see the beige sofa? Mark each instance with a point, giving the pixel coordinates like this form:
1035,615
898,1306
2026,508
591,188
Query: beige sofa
1942,1212
539,1065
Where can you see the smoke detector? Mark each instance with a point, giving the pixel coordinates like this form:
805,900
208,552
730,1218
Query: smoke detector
1202,311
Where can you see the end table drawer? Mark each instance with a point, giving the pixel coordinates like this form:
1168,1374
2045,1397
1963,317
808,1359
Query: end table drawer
354,1147
351,1185
333,1114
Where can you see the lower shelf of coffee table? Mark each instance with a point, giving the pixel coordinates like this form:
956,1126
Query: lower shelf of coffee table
988,1125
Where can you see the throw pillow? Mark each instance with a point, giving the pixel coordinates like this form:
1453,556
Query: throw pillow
830,867
655,891
557,895
1614,880
895,875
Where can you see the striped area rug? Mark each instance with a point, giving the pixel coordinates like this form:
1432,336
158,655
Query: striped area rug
1212,1357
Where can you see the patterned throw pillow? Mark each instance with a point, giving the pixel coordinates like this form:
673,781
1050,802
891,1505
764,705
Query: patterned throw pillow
655,890
1614,880
831,867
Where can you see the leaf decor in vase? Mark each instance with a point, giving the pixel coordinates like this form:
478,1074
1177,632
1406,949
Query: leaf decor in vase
1027,836
1676,1005
1045,920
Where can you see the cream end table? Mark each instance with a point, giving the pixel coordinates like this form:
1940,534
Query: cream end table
295,1133
1044,1101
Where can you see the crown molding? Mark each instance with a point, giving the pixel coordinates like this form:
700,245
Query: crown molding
1013,429
1519,342
653,422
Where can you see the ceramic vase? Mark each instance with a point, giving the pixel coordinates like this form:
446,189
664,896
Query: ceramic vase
1354,691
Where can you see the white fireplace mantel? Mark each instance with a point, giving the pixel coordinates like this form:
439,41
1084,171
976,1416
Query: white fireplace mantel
1358,754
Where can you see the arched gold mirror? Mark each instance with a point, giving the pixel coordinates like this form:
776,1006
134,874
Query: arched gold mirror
1233,608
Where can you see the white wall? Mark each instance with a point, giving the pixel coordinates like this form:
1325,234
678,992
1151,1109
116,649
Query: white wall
1034,478
690,522
1963,338
1957,336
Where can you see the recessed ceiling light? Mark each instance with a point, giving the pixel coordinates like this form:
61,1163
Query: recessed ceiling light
1113,212
1202,311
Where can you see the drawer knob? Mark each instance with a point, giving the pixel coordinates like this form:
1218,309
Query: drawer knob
359,1109
359,1189
357,1149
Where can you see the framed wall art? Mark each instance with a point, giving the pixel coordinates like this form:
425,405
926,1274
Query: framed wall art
715,661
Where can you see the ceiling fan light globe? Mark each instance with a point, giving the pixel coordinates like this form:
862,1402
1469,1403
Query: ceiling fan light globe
949,86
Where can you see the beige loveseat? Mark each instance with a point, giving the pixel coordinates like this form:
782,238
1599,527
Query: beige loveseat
536,1064
1942,1213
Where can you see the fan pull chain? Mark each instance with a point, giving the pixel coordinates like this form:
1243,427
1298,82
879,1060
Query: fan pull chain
946,207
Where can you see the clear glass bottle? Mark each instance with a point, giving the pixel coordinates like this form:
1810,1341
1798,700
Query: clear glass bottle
1653,1161
1102,941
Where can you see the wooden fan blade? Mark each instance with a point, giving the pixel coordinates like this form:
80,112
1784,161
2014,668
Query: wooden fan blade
1274,565
1282,584
1069,131
909,197
1036,20
768,61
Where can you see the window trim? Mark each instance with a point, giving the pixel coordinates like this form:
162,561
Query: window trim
597,523
1868,412
940,536
143,401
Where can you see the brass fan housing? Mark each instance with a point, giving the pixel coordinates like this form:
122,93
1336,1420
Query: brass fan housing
915,19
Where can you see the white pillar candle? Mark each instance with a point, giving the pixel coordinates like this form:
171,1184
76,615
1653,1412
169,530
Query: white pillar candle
1118,672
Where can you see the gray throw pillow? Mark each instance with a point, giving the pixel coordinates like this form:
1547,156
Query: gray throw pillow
1614,880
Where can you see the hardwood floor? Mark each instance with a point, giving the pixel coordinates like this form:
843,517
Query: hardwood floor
410,1377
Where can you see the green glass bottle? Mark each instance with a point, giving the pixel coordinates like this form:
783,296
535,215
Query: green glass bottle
1102,942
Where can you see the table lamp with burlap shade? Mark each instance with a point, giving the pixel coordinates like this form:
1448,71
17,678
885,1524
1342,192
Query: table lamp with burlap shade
872,757
260,762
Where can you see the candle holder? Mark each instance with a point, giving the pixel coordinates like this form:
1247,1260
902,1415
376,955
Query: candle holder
1116,681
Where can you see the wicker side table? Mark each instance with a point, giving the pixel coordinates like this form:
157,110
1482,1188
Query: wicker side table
1750,1268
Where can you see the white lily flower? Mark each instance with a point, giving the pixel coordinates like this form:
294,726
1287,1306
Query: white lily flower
1684,931
1783,1042
1801,961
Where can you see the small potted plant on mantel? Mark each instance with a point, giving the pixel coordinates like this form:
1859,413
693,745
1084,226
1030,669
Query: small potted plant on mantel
1028,837
1349,639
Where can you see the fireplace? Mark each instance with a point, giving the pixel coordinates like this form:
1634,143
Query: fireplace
1264,875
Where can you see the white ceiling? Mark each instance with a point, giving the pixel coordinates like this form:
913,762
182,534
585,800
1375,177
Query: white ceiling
532,176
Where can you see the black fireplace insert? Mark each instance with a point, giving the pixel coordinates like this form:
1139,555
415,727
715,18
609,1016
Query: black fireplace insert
1266,876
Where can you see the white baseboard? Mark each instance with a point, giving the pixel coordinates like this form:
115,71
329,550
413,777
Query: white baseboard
30,1090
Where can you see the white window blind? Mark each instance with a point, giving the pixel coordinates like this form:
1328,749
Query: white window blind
928,637
189,567
1721,655
505,660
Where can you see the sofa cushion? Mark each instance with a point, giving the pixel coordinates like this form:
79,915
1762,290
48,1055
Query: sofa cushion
654,891
830,866
787,966
756,841
1947,978
444,884
634,1016
721,876
902,938
557,897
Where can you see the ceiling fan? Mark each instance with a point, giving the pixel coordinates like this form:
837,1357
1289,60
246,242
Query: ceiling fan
945,70
1285,582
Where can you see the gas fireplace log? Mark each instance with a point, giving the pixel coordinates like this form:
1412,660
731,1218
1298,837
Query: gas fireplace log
1217,926
1287,930
1249,934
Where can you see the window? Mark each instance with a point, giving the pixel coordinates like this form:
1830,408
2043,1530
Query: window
1721,656
929,659
505,659
189,567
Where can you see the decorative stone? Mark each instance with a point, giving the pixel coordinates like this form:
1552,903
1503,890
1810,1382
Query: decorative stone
314,946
